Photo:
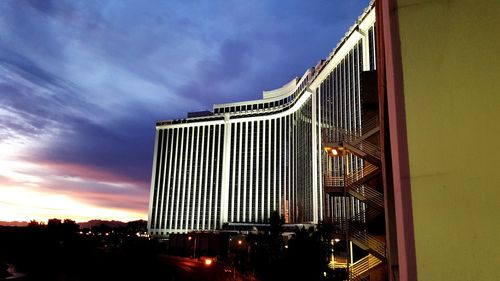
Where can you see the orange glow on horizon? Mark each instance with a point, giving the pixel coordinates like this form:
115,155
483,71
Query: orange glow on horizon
25,194
19,204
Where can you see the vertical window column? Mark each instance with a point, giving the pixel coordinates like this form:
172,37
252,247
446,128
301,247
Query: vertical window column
268,165
232,187
257,171
208,153
175,149
161,183
185,154
195,185
239,140
251,175
263,175
166,178
219,136
157,176
279,150
179,176
245,170
189,173
212,171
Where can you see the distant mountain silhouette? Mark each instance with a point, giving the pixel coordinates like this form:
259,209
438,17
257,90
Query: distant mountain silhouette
14,223
112,224
89,224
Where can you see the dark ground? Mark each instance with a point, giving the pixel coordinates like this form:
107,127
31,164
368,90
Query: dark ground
60,252
42,255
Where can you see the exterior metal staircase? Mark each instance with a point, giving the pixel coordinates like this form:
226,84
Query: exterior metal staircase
333,185
364,149
359,270
358,144
356,185
355,182
360,236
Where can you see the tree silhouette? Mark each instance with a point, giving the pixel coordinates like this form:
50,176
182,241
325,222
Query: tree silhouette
69,226
306,256
33,224
137,226
276,222
3,270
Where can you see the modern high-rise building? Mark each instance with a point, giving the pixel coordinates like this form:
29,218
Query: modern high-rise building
309,150
391,139
246,159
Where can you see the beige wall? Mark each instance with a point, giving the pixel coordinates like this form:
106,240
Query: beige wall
451,69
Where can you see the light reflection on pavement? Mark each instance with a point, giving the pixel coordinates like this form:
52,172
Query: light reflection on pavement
186,269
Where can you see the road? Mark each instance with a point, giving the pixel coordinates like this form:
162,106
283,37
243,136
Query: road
185,269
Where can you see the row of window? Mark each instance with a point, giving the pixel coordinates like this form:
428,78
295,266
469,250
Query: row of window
259,169
189,120
263,105
252,107
187,178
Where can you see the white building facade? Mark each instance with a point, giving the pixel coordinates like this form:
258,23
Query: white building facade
247,159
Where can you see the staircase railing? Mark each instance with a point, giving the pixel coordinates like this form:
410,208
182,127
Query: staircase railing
365,215
370,124
367,147
332,134
340,224
356,176
359,233
368,195
333,181
366,239
358,269
354,183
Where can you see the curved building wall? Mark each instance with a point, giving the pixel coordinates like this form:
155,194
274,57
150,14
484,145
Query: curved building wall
250,158
341,106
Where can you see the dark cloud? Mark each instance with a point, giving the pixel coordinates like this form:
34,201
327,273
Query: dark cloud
212,74
119,147
229,65
46,6
28,69
123,147
35,96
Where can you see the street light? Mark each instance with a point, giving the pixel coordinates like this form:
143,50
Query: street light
335,150
194,248
229,256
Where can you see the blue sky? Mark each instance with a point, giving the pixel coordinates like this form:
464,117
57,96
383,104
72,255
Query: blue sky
83,82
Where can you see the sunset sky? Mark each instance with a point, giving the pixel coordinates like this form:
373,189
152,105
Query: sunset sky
83,82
